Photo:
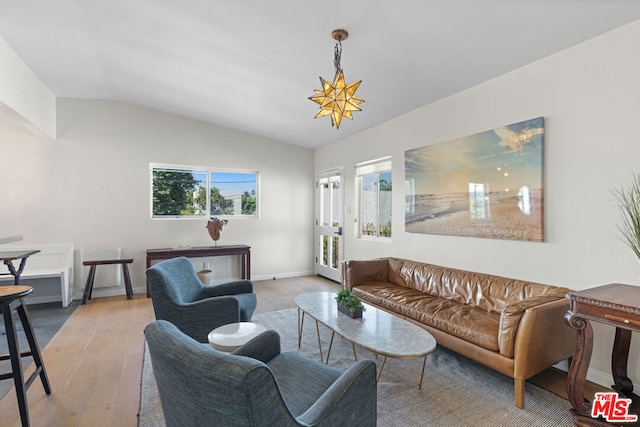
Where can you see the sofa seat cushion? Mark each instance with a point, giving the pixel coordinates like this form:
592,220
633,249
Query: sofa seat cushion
466,322
301,381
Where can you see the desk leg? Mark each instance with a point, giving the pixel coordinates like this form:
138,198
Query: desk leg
619,357
579,365
16,273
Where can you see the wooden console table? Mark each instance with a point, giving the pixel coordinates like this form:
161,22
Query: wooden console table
615,305
243,251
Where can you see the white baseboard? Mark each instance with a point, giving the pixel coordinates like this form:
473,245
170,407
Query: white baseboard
282,275
604,379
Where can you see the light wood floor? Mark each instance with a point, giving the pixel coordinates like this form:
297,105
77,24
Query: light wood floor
95,361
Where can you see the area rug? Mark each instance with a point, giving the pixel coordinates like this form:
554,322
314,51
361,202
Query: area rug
456,391
46,320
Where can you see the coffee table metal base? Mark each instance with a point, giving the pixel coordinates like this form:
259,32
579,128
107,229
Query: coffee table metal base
422,343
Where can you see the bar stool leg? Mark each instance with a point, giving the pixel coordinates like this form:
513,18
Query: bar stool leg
16,363
35,348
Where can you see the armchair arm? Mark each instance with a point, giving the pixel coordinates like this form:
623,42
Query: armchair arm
264,347
351,399
198,318
229,288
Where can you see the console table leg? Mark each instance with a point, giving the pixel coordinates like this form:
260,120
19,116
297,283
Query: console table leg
619,358
579,365
127,281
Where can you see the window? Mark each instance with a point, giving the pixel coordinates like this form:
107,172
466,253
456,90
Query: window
185,192
375,189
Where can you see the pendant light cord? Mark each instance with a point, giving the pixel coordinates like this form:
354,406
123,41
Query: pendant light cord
337,54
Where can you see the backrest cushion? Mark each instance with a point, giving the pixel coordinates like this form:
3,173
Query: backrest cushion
177,278
486,291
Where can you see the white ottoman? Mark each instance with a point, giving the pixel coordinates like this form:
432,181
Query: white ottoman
229,337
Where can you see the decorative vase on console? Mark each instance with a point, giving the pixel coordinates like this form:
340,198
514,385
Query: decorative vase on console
205,274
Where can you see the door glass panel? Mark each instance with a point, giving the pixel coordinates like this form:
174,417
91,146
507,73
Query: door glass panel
335,202
325,250
325,203
335,252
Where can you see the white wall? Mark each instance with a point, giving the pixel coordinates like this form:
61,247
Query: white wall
23,95
91,187
590,98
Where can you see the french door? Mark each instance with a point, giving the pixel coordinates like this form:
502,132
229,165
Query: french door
329,223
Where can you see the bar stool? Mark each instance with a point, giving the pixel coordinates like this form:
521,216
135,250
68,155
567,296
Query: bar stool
10,300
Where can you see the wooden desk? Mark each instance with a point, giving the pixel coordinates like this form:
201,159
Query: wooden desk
9,256
243,251
615,305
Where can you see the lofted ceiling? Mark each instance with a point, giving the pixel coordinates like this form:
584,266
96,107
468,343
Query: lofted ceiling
251,65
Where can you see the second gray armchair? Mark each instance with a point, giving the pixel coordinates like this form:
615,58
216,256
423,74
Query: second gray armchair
256,385
179,297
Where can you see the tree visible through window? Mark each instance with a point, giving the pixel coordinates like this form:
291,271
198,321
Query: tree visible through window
184,192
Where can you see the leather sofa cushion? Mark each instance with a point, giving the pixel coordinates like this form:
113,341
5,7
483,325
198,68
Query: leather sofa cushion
467,322
484,291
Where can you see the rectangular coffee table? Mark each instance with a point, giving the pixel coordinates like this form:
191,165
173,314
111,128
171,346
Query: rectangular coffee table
377,331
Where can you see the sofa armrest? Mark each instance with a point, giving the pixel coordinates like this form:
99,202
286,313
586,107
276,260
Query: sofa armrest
543,339
366,271
510,320
351,399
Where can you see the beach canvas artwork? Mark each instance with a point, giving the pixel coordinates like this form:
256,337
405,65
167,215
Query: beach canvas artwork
485,185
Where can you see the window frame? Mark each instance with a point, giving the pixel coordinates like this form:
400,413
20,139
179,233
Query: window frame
208,170
377,167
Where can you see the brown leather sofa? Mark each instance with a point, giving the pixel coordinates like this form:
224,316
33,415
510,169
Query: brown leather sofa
512,326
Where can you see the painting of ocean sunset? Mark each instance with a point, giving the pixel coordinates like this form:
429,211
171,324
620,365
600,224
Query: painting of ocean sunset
485,185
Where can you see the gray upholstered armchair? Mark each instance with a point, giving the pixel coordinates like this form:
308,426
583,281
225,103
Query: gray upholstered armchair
179,297
255,385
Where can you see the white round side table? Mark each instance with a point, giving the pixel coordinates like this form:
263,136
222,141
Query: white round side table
233,335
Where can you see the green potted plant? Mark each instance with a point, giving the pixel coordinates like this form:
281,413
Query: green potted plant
349,304
629,204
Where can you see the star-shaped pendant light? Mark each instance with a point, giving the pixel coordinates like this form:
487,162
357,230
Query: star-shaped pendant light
337,99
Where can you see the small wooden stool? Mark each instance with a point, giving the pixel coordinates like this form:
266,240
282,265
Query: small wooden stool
92,274
10,301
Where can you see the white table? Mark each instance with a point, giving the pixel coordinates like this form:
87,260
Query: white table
377,331
233,335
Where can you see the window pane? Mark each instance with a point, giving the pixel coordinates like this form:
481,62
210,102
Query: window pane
384,204
178,192
369,205
233,193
